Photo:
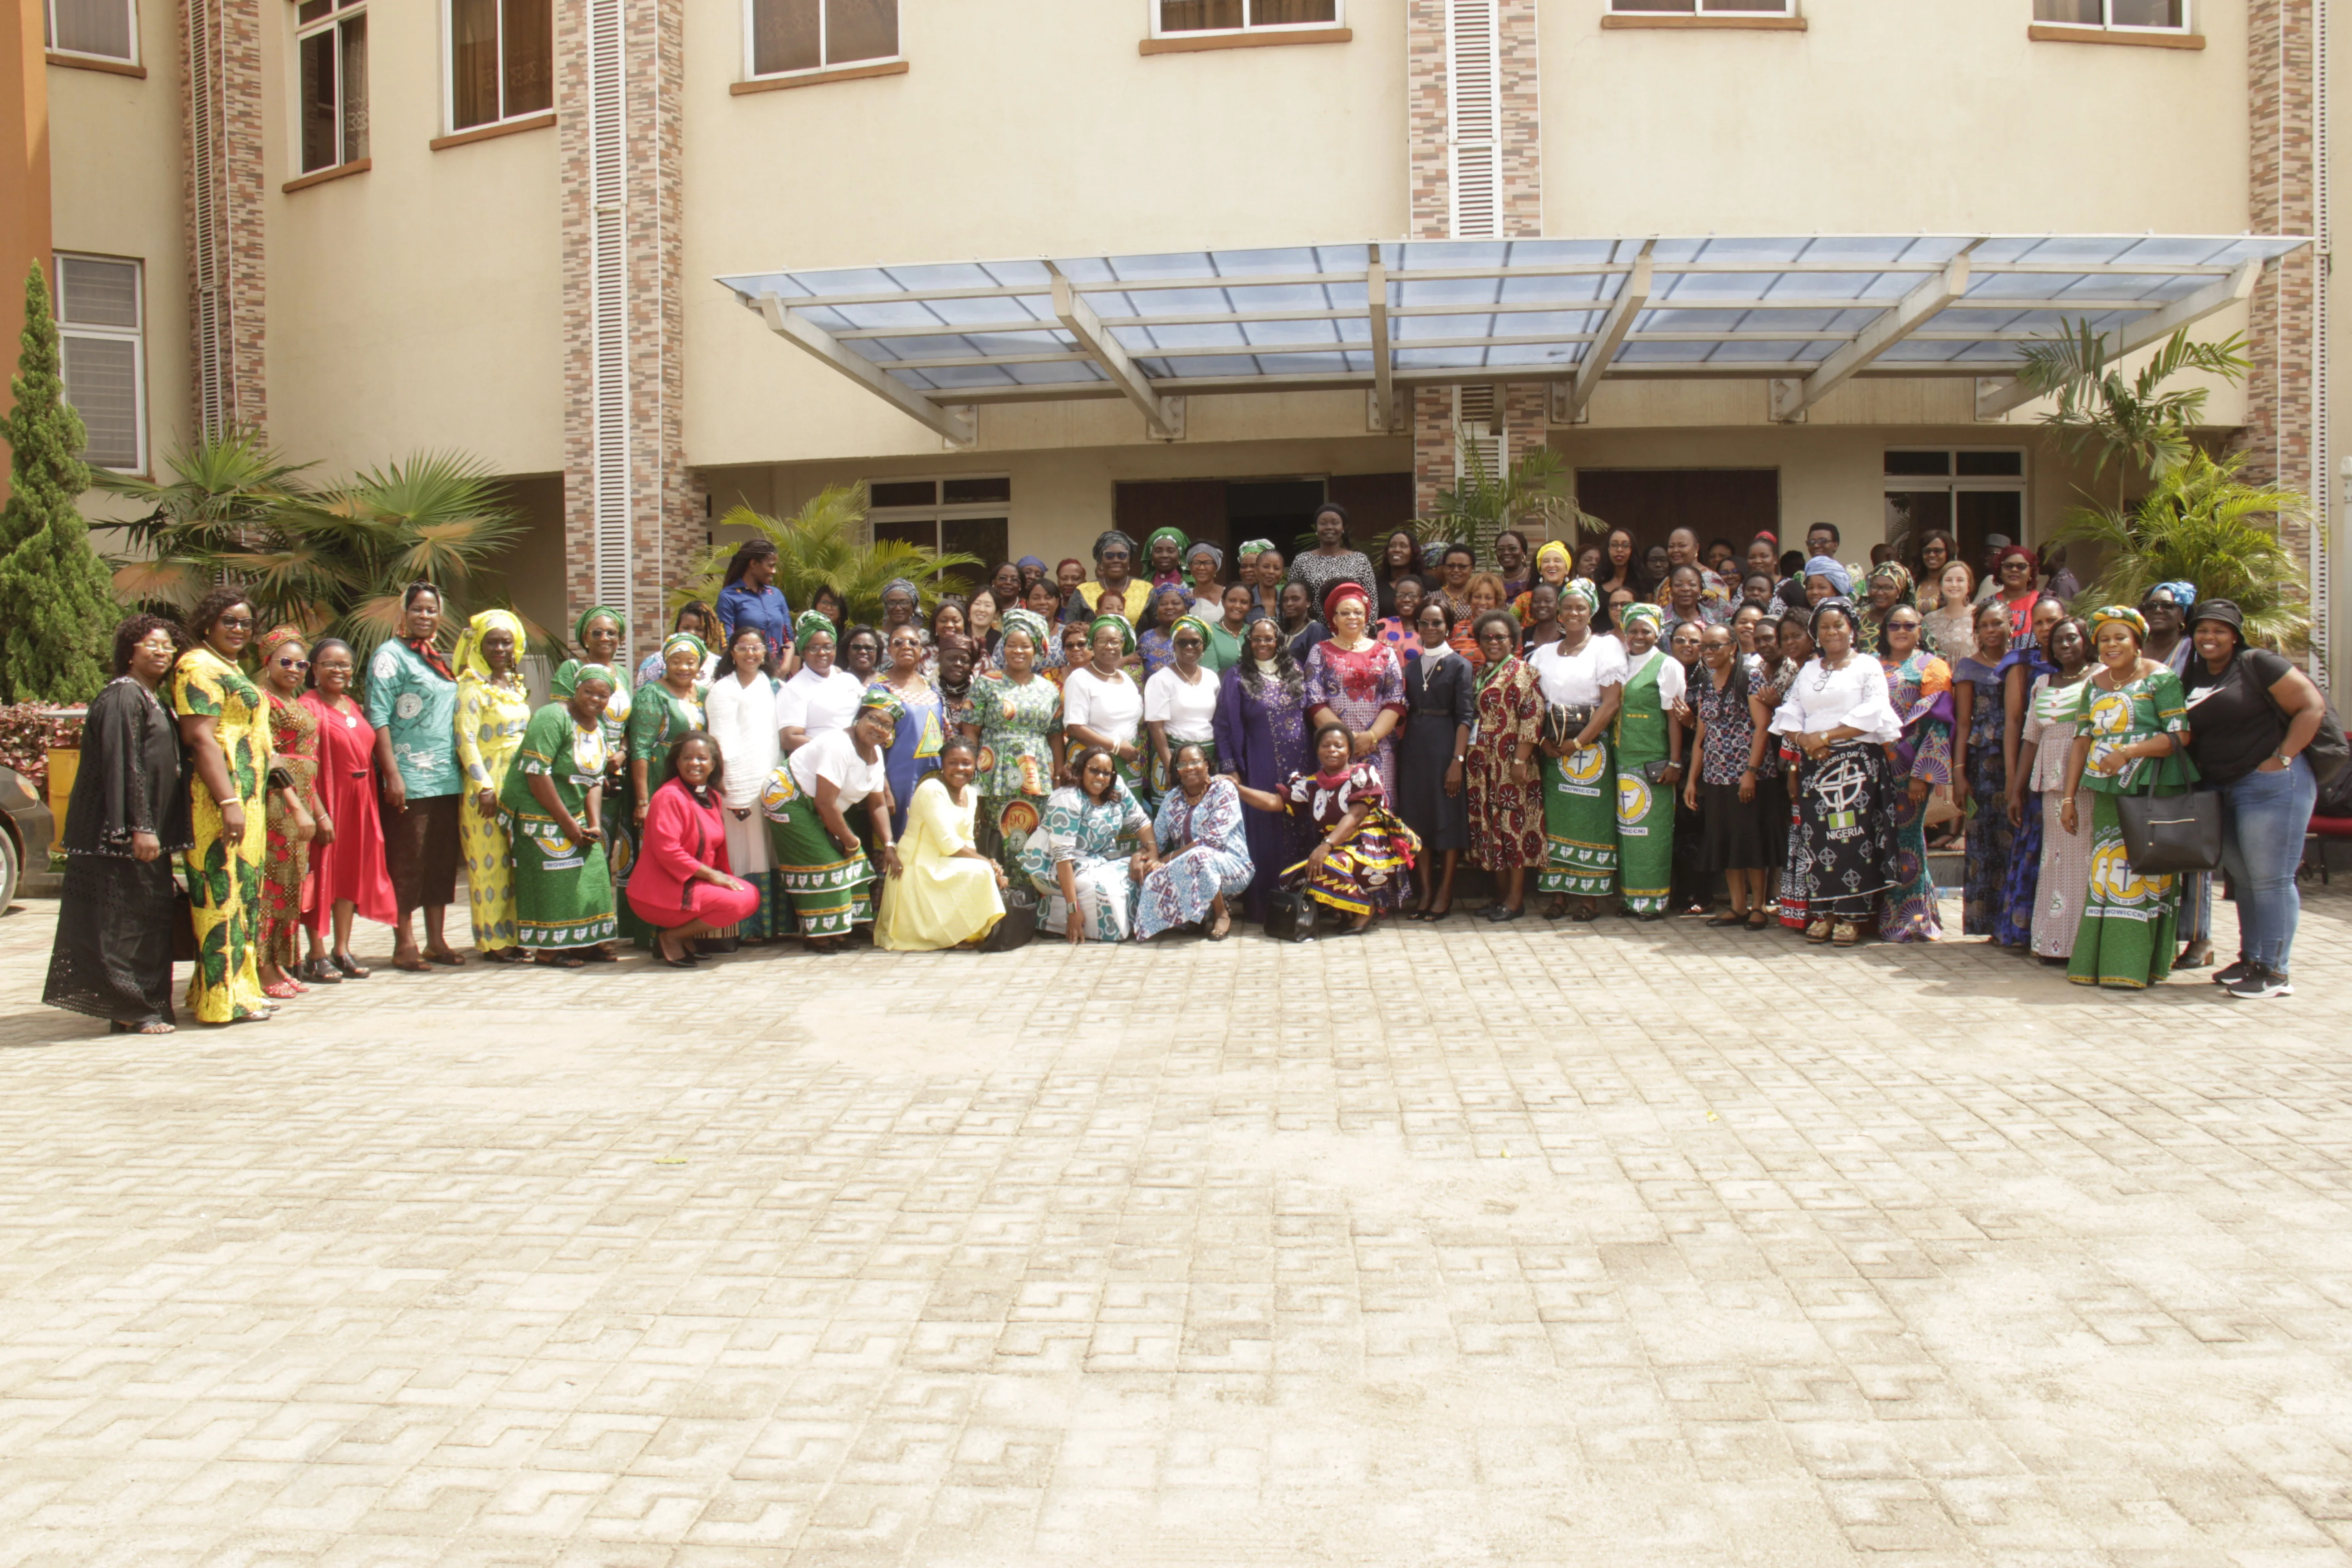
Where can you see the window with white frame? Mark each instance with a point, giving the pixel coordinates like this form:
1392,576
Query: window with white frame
501,60
966,514
1176,16
1703,8
101,326
782,37
2143,15
331,45
102,29
1969,493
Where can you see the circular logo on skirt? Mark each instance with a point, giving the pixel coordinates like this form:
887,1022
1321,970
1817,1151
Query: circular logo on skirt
986,761
780,790
1584,766
1632,797
409,705
1018,817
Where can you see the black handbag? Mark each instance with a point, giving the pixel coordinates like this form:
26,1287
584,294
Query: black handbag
1019,926
1562,724
1290,915
2169,834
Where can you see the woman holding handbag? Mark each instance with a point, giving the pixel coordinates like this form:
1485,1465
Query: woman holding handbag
2134,737
2256,717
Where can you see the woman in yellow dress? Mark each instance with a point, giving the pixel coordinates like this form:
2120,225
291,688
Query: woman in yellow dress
943,892
224,723
493,711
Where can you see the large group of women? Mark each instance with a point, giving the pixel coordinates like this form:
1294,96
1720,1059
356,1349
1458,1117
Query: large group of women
1153,746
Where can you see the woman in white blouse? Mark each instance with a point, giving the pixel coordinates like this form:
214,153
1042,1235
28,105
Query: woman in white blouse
1837,715
1582,674
1103,706
820,698
1179,703
740,712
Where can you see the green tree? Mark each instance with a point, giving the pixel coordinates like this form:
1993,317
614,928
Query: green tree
2126,423
817,547
1527,493
60,617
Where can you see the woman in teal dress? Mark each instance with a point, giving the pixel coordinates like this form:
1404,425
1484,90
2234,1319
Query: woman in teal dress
1095,847
1919,685
667,712
2133,732
1018,715
563,900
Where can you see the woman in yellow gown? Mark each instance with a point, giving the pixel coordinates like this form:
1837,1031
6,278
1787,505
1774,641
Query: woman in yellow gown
945,893
224,723
493,711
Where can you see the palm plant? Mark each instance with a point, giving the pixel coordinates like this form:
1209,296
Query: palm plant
2126,423
334,560
2202,524
1529,492
817,547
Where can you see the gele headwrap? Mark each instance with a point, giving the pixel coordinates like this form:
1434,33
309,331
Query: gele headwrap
810,623
1195,623
1215,555
1110,536
1126,631
1553,550
2183,593
1584,591
581,672
2124,613
1341,591
267,645
1253,548
1842,605
1032,625
1028,561
1899,575
1841,580
468,658
677,640
1654,613
897,583
1176,535
882,700
2018,552
594,612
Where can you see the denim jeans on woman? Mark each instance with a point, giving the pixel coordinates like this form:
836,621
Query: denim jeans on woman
2263,819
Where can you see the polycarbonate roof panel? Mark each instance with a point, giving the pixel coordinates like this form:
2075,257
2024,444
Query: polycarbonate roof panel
1234,320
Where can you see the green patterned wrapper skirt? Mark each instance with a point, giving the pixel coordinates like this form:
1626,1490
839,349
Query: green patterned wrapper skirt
831,893
562,889
2127,936
1645,840
1579,823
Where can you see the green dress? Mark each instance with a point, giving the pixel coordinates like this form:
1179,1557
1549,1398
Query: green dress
563,887
1645,809
225,873
2126,937
657,720
1017,761
1225,650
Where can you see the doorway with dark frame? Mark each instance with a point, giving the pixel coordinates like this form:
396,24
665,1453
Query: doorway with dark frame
1731,504
1227,512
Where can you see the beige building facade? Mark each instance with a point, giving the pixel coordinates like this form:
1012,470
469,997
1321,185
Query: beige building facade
500,226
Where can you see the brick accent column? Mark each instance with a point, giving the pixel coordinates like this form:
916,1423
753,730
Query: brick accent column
220,42
662,532
2278,437
1519,203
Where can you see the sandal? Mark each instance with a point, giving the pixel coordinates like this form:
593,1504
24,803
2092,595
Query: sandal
152,1026
598,955
555,959
1507,915
351,967
412,965
1585,915
503,955
447,959
1819,932
1757,921
283,990
1848,933
1730,918
315,972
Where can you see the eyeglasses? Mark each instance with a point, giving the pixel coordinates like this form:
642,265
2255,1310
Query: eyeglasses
284,663
236,623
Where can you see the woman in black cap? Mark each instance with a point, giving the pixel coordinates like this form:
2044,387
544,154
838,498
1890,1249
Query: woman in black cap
2251,715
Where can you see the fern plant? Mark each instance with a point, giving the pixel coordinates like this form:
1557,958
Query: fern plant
819,547
1527,493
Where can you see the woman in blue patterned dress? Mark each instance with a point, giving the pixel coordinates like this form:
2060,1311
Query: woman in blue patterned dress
1096,845
1919,685
1977,717
1204,858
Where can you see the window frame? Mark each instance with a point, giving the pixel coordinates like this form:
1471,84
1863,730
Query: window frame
1954,483
1337,22
940,512
135,335
50,35
2188,28
449,126
343,12
823,68
1765,8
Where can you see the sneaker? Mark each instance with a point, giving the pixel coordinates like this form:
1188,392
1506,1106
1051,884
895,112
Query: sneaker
2234,973
2261,984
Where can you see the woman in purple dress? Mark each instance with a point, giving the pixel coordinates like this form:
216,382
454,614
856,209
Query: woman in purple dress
1261,734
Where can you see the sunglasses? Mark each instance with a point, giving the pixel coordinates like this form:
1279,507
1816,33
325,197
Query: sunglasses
285,663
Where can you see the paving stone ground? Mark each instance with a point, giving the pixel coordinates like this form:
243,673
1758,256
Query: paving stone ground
1540,1243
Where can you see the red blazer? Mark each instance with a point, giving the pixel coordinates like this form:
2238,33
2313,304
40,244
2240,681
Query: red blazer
679,836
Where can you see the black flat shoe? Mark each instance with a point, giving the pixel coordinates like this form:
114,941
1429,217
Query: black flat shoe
1584,917
1508,916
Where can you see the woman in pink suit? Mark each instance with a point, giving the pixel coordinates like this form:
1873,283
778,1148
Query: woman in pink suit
347,875
682,885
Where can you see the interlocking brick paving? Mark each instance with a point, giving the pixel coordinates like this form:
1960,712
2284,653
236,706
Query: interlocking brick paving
1616,1245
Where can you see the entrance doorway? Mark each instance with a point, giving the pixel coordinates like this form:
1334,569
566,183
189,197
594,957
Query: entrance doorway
1732,504
1227,512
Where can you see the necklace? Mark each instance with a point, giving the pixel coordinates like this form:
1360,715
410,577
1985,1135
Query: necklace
1822,681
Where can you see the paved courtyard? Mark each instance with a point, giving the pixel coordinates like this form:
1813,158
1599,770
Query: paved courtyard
1683,1247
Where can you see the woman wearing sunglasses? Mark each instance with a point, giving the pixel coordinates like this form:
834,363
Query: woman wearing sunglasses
294,816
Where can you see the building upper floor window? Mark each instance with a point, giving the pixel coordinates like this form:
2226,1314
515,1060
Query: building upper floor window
331,44
1703,8
501,60
104,29
1242,15
962,514
2154,16
102,337
815,35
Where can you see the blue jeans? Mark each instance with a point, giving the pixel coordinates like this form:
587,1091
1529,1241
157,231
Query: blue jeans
2263,819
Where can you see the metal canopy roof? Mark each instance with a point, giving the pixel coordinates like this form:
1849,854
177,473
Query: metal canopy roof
1808,311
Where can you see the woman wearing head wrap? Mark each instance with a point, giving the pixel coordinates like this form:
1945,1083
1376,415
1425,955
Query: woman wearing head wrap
1261,730
1180,704
1554,564
411,700
2164,607
493,712
1983,777
1167,601
1204,560
554,795
1580,678
601,634
665,712
1095,844
821,866
2135,737
1920,689
1648,747
1361,849
1017,714
1355,678
922,720
1837,713
291,809
1332,561
1165,549
2049,867
1114,555
1889,585
740,710
1826,578
2016,570
692,616
1102,705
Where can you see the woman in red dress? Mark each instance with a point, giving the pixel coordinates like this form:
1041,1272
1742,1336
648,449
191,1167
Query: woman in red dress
299,827
348,876
683,884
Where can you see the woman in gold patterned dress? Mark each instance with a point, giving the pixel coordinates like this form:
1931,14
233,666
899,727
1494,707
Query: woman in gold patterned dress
224,723
296,818
493,712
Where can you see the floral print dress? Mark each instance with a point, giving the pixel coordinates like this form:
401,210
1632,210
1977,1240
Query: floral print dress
286,865
1016,721
224,878
1359,685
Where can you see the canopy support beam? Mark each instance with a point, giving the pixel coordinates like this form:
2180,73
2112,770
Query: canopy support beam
1995,398
959,428
1613,328
1385,415
1165,416
1791,397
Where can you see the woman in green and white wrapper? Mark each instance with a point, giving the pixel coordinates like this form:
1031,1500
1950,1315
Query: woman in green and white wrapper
1645,739
1580,671
602,635
667,712
821,868
553,794
2134,717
